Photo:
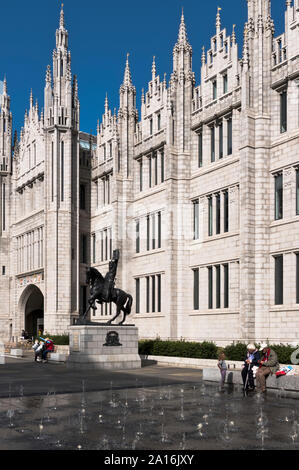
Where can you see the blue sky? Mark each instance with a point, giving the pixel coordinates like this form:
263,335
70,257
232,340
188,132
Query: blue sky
101,33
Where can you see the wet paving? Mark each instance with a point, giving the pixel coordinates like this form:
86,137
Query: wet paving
187,416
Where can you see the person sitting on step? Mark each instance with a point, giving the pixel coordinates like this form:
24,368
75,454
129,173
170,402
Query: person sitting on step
267,365
49,347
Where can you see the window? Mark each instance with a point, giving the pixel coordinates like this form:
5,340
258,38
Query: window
110,243
83,249
159,230
283,112
153,231
159,121
196,219
210,282
214,89
220,140
153,293
93,247
229,137
137,236
156,167
140,174
210,203
218,287
108,190
278,196
159,293
162,165
297,278
83,299
297,191
150,171
106,243
196,289
102,246
148,233
218,214
225,210
137,290
151,126
212,144
3,270
226,286
224,83
147,294
82,197
278,280
200,150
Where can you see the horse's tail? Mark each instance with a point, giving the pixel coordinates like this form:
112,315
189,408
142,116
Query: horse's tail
129,303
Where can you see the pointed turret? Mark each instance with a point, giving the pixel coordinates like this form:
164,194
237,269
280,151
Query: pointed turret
154,71
61,22
127,76
182,51
127,88
31,99
4,86
106,104
127,116
182,37
218,21
5,129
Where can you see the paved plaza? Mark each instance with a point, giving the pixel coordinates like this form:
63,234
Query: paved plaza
48,406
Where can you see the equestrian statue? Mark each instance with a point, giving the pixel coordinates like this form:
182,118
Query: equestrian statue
102,290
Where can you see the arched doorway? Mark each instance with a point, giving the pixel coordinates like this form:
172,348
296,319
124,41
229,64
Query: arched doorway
32,306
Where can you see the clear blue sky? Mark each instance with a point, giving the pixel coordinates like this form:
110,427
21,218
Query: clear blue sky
101,33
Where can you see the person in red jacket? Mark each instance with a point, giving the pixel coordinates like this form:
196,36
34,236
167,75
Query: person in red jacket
49,347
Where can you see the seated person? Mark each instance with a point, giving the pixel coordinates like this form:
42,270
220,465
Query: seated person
49,347
268,365
38,349
251,360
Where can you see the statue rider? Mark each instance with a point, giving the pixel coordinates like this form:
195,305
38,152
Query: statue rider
110,277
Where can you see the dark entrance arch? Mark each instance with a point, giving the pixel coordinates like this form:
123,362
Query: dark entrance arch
33,304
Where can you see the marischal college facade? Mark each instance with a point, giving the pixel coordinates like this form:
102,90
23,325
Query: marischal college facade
200,194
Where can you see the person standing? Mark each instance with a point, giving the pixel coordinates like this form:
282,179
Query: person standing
252,360
223,368
267,365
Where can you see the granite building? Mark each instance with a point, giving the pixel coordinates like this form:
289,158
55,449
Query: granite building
200,192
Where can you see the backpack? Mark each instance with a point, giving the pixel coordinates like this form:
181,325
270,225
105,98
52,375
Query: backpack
50,345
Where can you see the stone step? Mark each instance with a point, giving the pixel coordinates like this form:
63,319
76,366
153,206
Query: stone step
287,382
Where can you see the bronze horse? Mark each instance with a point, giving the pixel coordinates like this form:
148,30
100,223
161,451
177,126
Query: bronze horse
103,290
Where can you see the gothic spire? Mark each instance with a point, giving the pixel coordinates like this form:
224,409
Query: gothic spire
4,86
31,99
218,20
61,22
106,104
234,34
182,39
154,69
127,77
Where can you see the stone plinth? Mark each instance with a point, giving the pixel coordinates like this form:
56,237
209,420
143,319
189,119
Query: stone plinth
104,347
